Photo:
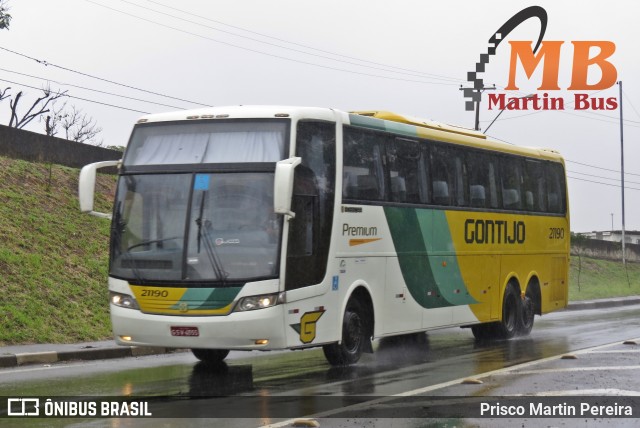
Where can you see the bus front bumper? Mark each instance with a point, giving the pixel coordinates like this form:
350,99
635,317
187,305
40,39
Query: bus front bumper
261,329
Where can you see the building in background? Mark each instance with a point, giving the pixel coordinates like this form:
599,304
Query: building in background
630,236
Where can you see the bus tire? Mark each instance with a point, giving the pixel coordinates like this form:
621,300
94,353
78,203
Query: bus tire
508,326
527,314
353,342
484,331
210,356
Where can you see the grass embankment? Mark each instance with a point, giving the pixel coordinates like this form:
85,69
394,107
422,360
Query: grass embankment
598,279
53,259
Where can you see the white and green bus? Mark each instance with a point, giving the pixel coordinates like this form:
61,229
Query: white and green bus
262,228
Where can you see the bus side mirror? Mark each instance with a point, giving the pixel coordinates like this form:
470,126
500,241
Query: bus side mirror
87,186
283,186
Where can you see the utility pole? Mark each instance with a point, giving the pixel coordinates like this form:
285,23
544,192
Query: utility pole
611,222
622,172
476,95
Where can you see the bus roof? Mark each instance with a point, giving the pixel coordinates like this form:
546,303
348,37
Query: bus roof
375,119
422,128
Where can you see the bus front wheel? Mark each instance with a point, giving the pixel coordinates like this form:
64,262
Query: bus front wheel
211,356
353,343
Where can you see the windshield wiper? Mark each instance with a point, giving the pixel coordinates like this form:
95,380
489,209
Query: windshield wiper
214,259
152,241
199,220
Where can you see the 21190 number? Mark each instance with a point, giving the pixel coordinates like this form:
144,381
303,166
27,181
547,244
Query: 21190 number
556,233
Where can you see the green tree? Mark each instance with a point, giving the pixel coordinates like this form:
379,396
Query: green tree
5,18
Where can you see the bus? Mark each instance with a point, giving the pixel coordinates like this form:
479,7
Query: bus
270,227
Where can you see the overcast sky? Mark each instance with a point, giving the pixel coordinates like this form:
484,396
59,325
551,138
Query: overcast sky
405,56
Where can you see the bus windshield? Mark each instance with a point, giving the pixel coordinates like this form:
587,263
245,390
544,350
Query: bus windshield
200,227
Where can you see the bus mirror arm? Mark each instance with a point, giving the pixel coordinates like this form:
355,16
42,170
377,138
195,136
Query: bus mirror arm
87,186
283,186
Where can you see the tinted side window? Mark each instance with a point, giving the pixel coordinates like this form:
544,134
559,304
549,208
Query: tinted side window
556,198
511,175
407,171
448,176
363,175
482,180
535,192
443,176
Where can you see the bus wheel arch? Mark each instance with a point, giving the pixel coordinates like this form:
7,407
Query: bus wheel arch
356,330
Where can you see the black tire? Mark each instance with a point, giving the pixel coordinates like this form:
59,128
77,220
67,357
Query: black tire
527,314
484,331
210,356
508,326
350,349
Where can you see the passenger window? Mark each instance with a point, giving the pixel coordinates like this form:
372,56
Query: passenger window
556,201
534,186
481,176
448,176
511,174
363,175
407,172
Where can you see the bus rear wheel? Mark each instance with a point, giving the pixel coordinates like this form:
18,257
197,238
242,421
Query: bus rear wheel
526,317
353,343
483,331
511,314
210,356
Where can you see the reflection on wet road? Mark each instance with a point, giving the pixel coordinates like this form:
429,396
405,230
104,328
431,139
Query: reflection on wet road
398,365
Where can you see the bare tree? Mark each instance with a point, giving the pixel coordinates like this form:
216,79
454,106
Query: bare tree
80,128
39,107
4,93
5,18
53,120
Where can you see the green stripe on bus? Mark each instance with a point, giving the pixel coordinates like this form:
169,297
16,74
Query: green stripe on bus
402,129
445,268
416,233
367,122
208,298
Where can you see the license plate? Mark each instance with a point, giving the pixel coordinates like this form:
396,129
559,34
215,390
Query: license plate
185,331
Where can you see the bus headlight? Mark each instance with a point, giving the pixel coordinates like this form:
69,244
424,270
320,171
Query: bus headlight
262,301
123,300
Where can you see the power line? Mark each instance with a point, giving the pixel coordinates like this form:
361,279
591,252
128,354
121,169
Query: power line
613,119
253,39
266,53
599,167
289,42
79,98
45,63
599,182
624,94
90,89
570,113
604,178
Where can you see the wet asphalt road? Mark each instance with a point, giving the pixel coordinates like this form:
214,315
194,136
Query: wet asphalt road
399,366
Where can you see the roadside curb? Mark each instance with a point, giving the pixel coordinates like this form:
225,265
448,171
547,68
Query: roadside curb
8,360
603,303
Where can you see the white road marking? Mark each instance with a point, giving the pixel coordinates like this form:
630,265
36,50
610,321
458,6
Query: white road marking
451,383
594,392
575,369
